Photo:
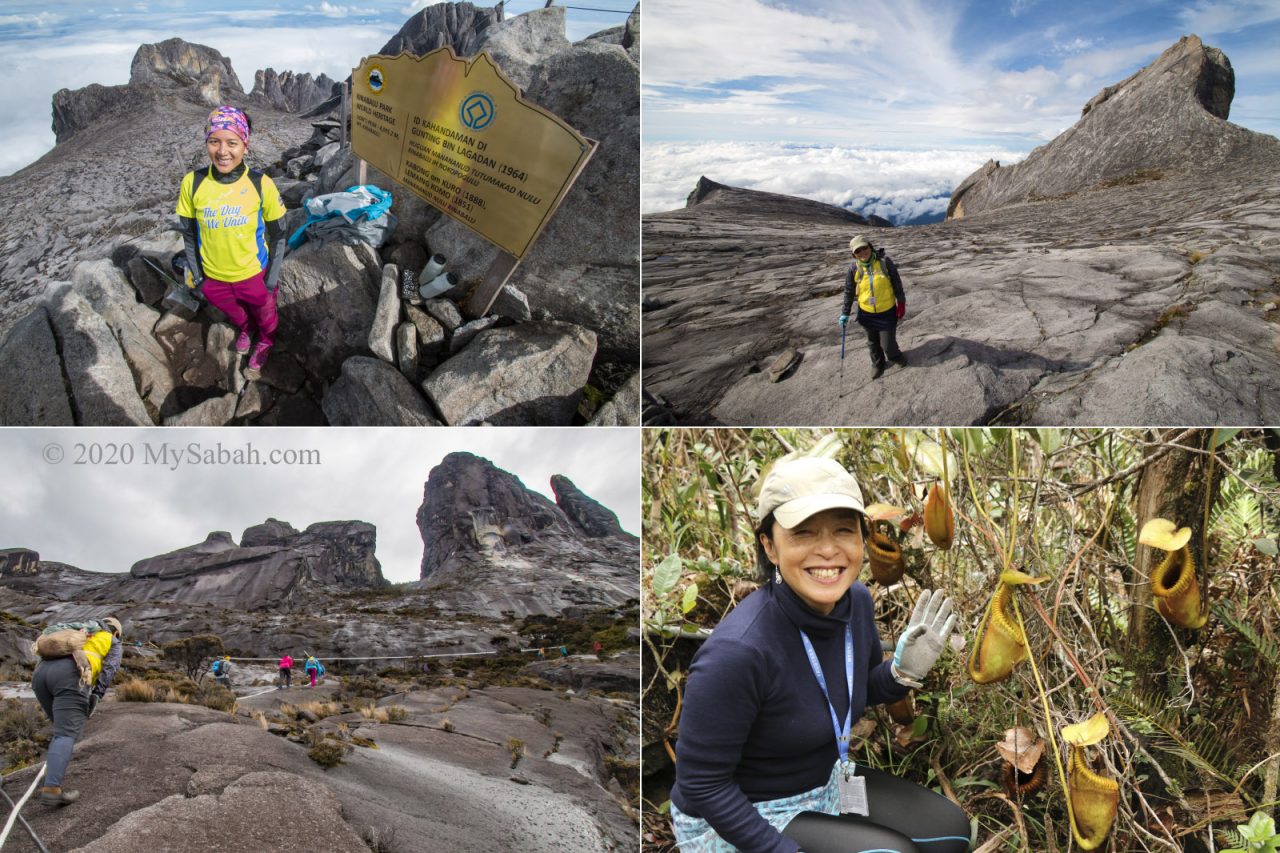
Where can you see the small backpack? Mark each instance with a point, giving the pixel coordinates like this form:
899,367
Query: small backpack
217,667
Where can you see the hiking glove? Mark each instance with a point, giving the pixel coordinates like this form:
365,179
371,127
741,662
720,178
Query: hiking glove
902,309
923,641
844,319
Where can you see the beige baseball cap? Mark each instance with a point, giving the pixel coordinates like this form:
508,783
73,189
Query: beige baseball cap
795,489
858,242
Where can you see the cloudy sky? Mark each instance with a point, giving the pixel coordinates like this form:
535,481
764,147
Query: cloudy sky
886,105
104,517
53,45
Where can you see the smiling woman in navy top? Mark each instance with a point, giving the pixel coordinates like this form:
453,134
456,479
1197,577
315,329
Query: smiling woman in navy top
763,755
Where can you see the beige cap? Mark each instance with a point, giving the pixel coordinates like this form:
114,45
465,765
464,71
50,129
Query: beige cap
114,624
858,242
797,488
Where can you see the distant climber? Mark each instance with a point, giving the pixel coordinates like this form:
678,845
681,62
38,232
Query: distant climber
286,671
596,648
314,669
879,304
69,695
232,223
222,671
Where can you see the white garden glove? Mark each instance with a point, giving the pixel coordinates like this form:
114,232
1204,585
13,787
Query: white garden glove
925,638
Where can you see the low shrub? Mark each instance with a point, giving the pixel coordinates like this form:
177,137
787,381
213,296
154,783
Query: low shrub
136,690
328,752
516,747
21,753
216,696
317,708
22,721
389,714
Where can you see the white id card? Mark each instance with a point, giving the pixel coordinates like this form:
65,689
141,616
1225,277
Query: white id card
853,791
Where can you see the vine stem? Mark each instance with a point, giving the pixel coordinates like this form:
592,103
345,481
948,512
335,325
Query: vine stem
1048,720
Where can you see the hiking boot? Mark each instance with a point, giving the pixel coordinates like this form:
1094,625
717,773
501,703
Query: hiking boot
243,342
259,358
877,371
899,359
57,796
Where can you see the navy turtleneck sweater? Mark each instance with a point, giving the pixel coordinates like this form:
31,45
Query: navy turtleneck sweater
755,725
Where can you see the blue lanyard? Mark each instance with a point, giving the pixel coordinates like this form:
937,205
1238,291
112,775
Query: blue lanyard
842,737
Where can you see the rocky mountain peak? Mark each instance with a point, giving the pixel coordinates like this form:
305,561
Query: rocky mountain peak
590,516
177,63
273,565
1188,66
739,202
1168,117
270,532
461,25
290,92
704,188
493,546
470,505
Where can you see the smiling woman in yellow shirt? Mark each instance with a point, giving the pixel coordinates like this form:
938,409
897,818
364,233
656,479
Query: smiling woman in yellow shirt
231,224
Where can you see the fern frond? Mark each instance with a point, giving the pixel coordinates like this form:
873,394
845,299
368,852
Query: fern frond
1199,745
1267,648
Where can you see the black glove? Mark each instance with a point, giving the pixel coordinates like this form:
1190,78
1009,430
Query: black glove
94,698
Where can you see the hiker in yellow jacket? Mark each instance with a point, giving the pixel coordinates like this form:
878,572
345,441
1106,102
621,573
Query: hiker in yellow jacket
67,701
879,304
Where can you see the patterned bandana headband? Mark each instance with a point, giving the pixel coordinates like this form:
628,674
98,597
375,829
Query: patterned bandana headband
229,118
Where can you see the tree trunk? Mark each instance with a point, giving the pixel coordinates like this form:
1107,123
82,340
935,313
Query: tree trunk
1175,487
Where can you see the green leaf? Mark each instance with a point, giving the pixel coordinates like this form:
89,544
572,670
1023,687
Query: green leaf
1222,436
666,574
927,454
920,726
665,808
690,599
971,438
1050,440
1267,546
827,447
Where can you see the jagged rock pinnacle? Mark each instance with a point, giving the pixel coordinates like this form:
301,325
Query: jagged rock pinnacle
1170,116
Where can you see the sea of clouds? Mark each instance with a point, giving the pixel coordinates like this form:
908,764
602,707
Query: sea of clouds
899,185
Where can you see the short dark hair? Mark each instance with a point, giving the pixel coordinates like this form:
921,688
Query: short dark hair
764,566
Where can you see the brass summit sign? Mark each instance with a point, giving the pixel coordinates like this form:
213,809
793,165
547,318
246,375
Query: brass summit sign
458,134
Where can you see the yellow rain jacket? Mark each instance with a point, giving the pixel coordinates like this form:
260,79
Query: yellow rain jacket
95,649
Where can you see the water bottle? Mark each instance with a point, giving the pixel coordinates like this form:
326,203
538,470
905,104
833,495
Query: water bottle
434,267
444,282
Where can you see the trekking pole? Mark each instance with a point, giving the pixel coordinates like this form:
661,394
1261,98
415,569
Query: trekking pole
8,827
843,329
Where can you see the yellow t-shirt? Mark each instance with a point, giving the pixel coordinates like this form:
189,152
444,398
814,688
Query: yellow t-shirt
232,223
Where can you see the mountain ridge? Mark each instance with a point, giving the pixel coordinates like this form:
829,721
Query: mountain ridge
1044,306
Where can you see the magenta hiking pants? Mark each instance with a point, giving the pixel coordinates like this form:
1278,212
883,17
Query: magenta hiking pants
242,300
